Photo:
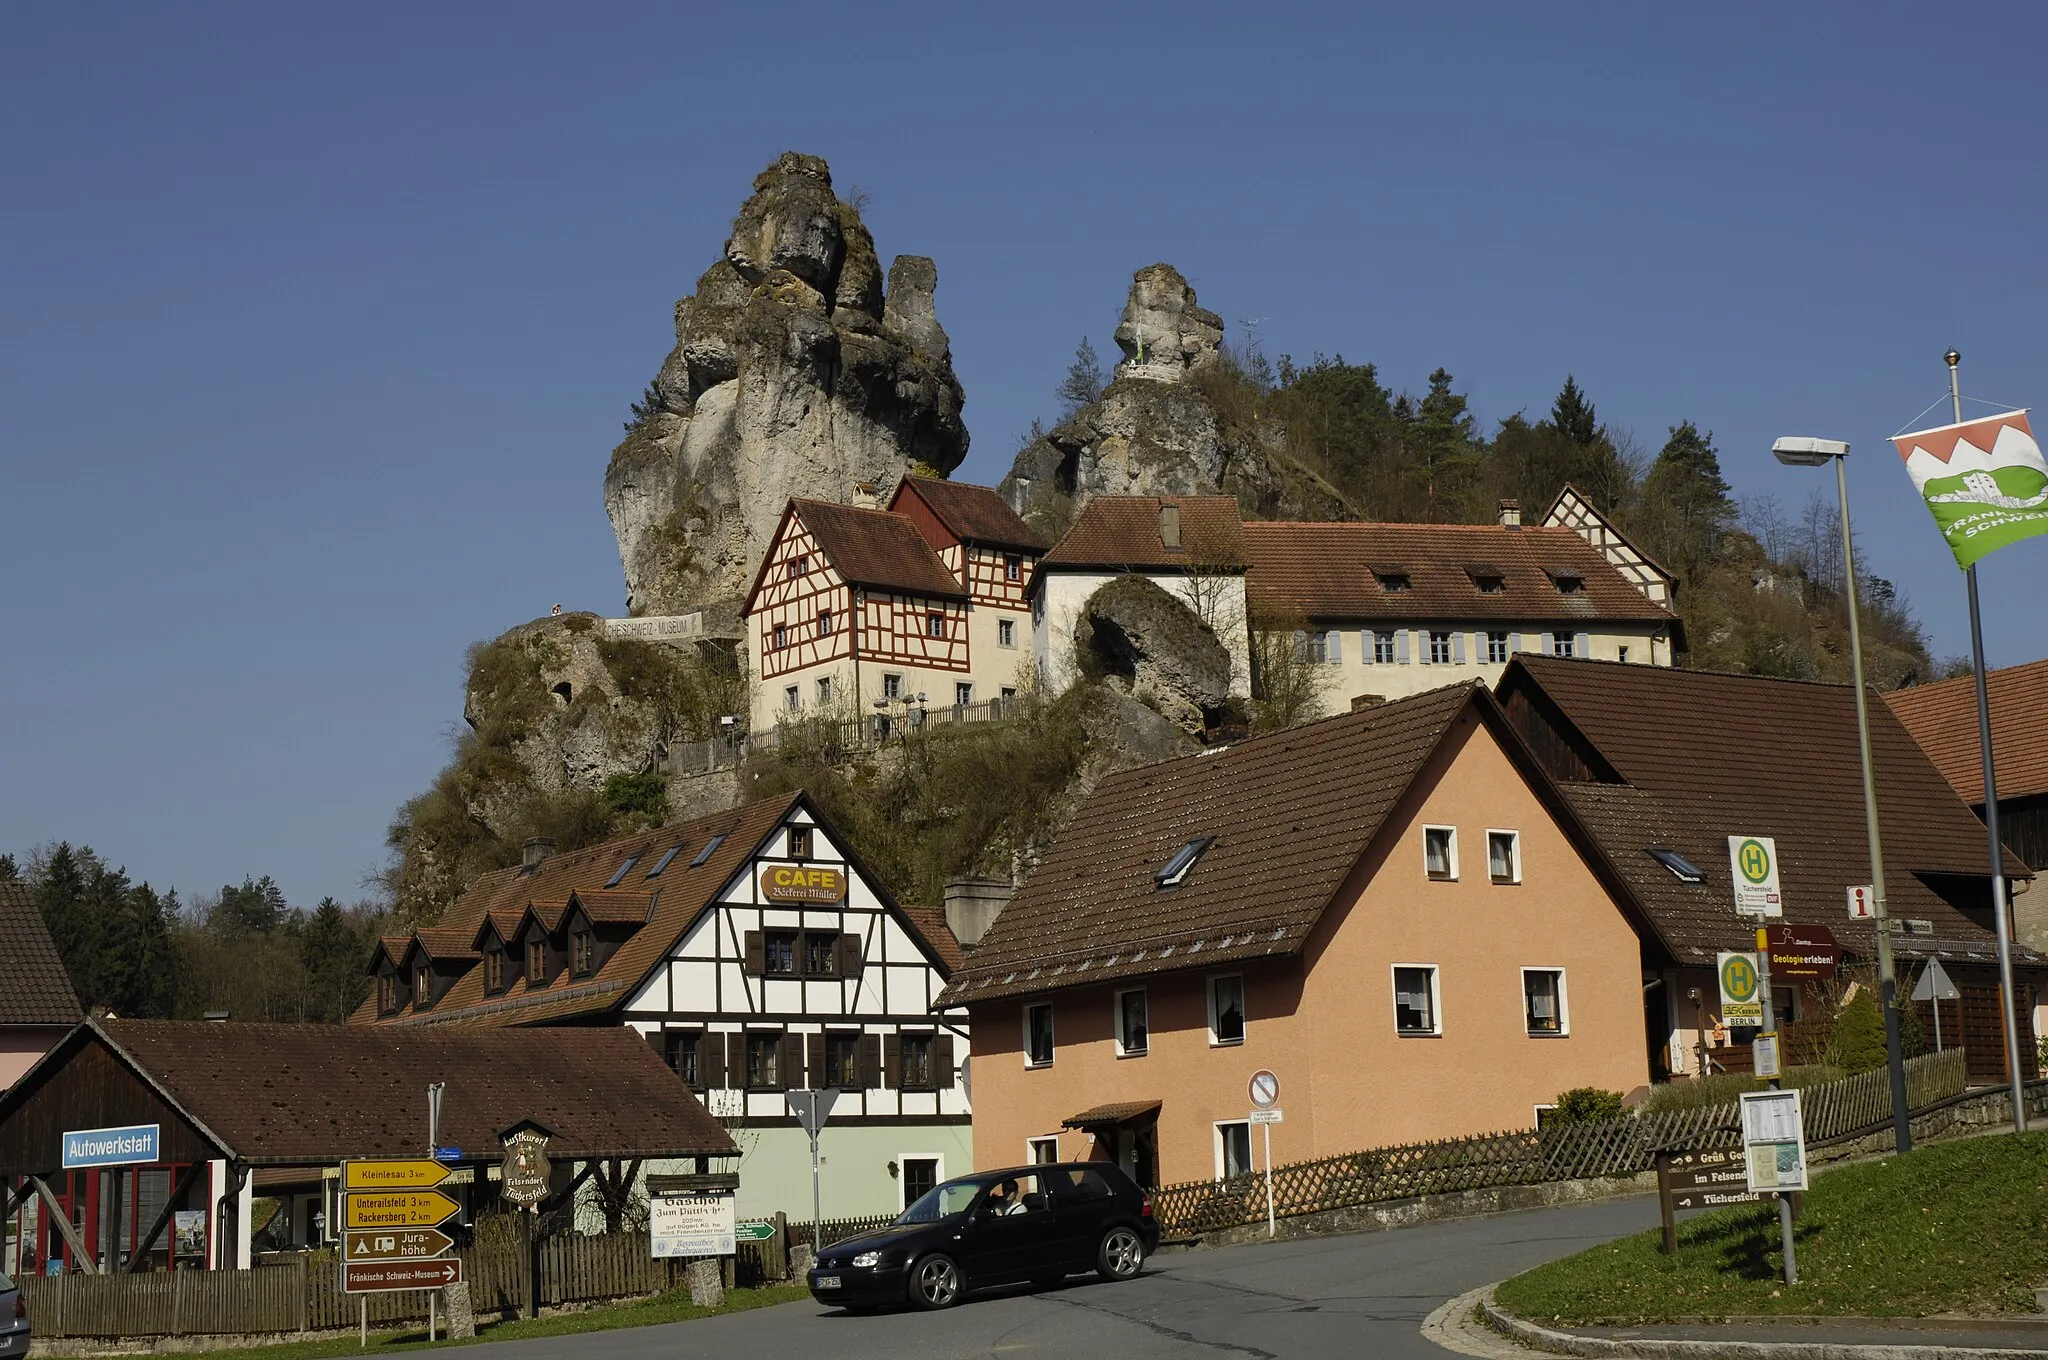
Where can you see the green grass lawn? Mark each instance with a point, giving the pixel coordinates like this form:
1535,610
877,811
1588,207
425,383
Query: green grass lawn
1956,1227
672,1306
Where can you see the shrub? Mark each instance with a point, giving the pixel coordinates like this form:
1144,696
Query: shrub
1585,1105
1858,1043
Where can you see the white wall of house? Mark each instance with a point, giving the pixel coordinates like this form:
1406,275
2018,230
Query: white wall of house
1351,658
1218,599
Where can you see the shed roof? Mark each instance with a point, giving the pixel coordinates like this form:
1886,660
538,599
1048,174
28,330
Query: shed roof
1331,572
972,514
34,988
1122,532
1943,718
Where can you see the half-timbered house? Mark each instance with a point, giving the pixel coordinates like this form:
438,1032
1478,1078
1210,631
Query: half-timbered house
757,956
990,551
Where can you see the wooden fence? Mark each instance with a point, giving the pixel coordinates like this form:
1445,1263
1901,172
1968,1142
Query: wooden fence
839,1229
1609,1147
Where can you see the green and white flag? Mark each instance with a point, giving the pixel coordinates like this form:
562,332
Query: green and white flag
1984,480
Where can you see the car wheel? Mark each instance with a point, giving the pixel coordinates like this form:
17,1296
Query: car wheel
935,1282
1121,1255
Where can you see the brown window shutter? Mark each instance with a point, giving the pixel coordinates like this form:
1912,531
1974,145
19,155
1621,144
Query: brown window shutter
870,1061
814,1045
849,956
792,1061
658,1042
892,1062
755,963
711,1060
942,1061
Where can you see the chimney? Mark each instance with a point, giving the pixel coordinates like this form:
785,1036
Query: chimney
1361,703
1510,514
537,849
1169,526
972,905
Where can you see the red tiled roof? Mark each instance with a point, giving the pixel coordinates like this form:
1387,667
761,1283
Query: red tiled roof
1327,572
973,514
313,1094
1117,1112
1943,718
1285,837
447,943
930,924
1118,532
878,549
34,988
615,906
1705,756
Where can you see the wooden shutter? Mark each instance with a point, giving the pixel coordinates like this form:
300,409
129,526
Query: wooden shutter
791,1061
1458,647
657,1041
870,1061
1543,644
755,963
850,959
1402,639
1334,640
942,1060
711,1060
892,1062
814,1045
1514,643
1365,646
1582,647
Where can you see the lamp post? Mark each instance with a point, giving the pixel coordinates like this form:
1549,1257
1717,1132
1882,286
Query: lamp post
1797,451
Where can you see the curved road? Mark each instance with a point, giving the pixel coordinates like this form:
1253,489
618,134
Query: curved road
1333,1296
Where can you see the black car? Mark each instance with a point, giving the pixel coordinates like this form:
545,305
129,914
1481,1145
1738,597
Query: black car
1029,1223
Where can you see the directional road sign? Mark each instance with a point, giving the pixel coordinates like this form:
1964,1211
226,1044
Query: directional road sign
417,1173
402,1244
753,1232
1802,951
397,1209
375,1277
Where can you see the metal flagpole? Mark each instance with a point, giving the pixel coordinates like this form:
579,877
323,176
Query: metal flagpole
2000,909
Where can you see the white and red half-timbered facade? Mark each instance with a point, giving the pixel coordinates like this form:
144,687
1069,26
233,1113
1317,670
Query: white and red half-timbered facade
990,551
757,956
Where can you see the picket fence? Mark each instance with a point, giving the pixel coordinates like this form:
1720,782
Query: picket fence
1622,1146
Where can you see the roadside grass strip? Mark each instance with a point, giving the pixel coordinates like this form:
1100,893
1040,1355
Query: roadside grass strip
1949,1228
671,1306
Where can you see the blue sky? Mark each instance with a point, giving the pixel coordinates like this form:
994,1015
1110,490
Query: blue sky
317,324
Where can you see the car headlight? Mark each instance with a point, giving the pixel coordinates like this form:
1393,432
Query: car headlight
868,1258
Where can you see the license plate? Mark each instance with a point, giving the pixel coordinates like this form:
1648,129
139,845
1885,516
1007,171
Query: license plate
828,1282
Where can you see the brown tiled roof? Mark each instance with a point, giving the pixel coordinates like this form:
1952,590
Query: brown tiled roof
1118,532
506,923
34,989
1286,835
447,943
930,924
682,891
1706,756
313,1094
1117,1112
1327,572
1943,718
615,906
878,549
974,514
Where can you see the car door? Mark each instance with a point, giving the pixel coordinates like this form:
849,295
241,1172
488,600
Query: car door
1009,1234
1083,1202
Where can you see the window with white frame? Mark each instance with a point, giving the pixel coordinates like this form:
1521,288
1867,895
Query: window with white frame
824,623
920,1175
1006,633
1439,649
1496,648
1233,1149
1013,568
1415,1005
963,693
1226,1009
1042,1151
824,691
935,624
792,699
892,686
1561,644
1038,1035
1504,856
1383,648
1132,1031
1440,852
1543,1008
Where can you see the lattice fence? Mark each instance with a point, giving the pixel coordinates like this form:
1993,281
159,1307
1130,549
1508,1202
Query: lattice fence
1609,1147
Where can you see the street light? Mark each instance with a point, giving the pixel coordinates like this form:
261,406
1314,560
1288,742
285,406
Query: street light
1801,451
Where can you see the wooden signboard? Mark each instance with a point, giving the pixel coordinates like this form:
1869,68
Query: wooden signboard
1705,1179
803,883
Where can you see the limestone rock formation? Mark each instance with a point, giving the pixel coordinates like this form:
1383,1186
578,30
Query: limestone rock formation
1176,419
1132,628
793,373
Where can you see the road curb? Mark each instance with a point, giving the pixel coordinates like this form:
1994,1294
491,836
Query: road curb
1655,1348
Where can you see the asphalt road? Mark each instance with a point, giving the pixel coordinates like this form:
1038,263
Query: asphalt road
1337,1296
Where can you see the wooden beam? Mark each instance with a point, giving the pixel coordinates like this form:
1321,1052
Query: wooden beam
64,1227
140,1256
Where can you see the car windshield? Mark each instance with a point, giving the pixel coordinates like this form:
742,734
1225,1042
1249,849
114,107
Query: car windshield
942,1202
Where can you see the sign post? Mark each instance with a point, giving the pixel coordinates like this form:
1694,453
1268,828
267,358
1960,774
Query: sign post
1935,987
1705,1179
1768,1142
812,1109
390,1219
1753,862
1265,1094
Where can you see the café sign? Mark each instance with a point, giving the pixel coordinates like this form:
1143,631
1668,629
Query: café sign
812,883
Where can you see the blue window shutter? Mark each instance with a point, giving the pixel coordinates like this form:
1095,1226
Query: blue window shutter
1543,645
1402,638
1458,647
1365,645
1336,644
1514,643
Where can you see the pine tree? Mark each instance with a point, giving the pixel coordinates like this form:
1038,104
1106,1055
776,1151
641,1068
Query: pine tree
9,871
1571,415
1084,381
1686,505
1445,454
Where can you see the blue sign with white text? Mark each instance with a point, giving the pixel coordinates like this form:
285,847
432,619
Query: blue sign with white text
111,1147
447,1154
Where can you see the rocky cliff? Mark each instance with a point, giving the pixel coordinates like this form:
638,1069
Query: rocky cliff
1174,420
796,371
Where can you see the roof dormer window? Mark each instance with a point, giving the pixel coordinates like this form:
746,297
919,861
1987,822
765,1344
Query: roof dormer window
494,970
537,964
1182,864
1487,580
422,987
1567,581
1392,580
388,999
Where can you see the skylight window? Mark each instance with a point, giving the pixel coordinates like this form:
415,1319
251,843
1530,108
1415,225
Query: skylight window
667,856
1182,864
710,849
619,875
1683,869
